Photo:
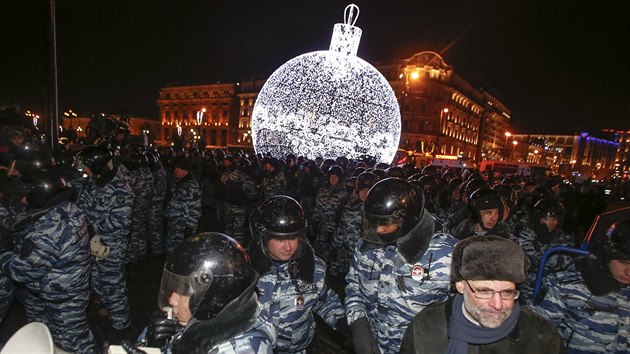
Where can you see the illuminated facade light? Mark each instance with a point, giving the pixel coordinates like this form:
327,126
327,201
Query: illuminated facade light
328,103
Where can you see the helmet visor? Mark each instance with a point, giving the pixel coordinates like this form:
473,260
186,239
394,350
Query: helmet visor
194,285
371,222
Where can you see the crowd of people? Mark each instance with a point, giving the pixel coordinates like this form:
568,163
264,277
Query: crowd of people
394,258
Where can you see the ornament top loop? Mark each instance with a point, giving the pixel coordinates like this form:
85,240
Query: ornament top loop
349,18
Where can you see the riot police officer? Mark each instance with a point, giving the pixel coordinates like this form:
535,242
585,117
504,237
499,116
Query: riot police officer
107,199
51,257
291,287
209,285
400,267
588,302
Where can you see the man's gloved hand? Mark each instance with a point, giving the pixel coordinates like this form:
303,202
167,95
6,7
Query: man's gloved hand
362,337
160,330
131,348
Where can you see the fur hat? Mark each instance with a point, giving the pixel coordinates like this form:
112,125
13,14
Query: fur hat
488,258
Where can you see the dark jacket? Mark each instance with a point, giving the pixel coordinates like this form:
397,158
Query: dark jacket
427,333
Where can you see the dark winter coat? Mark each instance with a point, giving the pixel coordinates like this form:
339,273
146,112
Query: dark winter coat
427,333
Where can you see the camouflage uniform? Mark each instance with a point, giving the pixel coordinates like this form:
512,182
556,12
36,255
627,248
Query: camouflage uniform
381,289
156,212
346,237
588,323
328,206
279,295
108,209
6,294
259,339
182,211
274,183
241,190
534,249
143,190
52,259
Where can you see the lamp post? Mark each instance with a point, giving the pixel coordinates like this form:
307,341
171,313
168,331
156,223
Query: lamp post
507,136
199,122
513,148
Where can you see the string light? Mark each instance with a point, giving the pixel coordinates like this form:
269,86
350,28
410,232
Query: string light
328,103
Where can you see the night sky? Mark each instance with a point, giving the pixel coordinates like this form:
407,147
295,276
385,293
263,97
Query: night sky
560,66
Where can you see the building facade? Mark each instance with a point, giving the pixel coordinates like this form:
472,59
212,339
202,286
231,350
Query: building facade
580,153
217,105
622,158
444,114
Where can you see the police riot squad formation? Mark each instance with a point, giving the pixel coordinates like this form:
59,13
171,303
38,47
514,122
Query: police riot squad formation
392,258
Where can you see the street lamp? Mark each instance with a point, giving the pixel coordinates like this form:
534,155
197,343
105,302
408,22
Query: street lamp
507,136
514,148
200,119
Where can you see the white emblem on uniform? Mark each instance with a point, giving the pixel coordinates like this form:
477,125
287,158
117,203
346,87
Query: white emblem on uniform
299,302
417,272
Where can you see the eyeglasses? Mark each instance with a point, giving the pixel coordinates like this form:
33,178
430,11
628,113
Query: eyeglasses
488,294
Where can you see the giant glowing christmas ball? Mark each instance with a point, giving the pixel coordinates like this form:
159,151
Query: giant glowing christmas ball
328,103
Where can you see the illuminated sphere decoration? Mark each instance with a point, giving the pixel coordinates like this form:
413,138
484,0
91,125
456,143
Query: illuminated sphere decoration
328,103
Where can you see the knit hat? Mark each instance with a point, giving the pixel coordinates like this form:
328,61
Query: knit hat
488,258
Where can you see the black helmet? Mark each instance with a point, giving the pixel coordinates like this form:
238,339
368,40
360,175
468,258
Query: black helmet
382,166
483,199
380,174
42,186
244,166
432,171
539,193
409,169
472,186
281,217
565,190
429,185
391,201
366,180
548,207
454,184
31,158
135,159
95,158
213,269
64,158
114,127
395,171
357,171
449,175
507,194
337,171
326,164
615,244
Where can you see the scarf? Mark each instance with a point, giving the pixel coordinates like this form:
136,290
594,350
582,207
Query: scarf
462,332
